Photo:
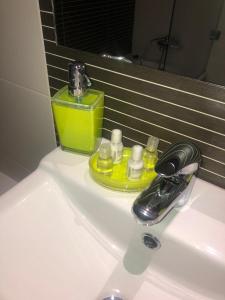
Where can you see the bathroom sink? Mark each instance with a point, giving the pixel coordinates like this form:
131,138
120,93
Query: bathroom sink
64,237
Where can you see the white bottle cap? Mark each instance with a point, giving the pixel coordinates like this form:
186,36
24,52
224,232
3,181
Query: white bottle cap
152,143
116,136
137,153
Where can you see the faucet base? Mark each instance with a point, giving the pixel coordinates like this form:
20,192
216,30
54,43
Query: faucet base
185,195
154,203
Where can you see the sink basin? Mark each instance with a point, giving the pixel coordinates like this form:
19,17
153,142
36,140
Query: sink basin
64,237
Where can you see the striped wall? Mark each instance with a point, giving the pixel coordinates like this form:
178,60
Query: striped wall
142,101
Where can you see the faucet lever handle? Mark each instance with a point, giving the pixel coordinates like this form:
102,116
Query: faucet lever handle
180,158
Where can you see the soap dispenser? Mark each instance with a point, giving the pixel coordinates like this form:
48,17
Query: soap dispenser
78,112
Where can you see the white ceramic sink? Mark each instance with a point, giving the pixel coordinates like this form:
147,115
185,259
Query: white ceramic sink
63,237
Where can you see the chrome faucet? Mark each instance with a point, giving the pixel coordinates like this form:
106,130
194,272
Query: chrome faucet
176,170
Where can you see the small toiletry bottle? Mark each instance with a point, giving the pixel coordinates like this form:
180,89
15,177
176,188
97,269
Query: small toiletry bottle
116,145
135,163
104,161
78,112
151,153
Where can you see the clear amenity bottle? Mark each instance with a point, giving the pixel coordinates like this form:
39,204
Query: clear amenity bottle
104,161
151,153
135,163
116,145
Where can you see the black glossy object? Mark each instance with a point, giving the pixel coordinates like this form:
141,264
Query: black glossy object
177,157
154,203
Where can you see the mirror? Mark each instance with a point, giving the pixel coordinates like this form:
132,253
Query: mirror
184,37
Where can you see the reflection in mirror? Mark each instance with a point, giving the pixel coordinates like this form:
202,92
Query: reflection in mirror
185,37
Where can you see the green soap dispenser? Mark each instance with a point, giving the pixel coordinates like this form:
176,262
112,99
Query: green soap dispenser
78,112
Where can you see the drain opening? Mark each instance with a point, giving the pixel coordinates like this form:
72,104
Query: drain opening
151,241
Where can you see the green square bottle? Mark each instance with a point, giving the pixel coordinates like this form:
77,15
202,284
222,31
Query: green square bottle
78,112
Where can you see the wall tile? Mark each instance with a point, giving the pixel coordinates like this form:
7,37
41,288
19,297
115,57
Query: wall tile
27,131
22,53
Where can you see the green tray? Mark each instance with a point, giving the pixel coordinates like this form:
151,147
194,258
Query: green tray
118,179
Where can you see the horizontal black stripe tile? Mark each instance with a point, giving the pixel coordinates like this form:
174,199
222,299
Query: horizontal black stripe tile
213,166
164,108
59,62
141,137
203,174
162,78
49,34
47,19
151,129
149,116
164,134
165,122
53,91
56,83
46,5
174,97
193,117
132,133
183,128
58,73
207,176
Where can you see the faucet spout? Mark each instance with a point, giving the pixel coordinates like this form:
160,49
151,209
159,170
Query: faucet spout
176,169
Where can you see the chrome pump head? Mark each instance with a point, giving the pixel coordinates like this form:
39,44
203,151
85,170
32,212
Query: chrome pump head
78,79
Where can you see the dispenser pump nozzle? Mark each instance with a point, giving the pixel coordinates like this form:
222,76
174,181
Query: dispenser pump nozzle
78,79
